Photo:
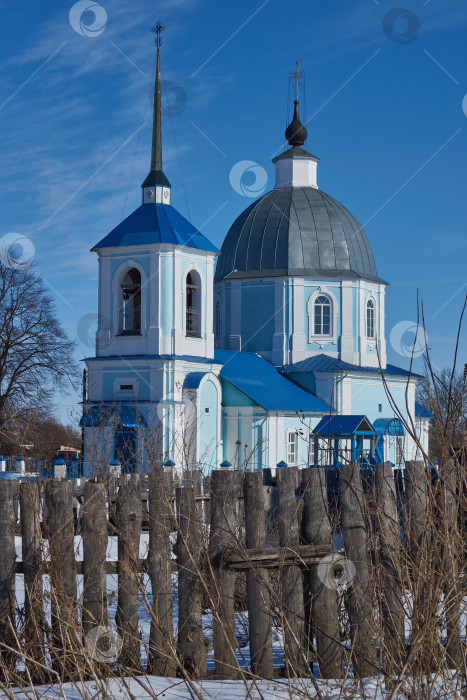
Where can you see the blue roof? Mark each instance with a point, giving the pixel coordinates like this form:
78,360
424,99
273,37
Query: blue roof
260,381
323,363
389,426
98,415
343,425
156,223
421,411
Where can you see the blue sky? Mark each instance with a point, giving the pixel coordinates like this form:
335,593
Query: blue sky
386,111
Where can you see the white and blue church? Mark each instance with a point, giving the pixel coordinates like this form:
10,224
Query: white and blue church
270,352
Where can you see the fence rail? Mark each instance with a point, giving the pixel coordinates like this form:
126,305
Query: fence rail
332,579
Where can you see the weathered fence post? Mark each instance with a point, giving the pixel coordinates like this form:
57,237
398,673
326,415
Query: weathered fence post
225,490
191,641
129,519
94,555
389,540
62,571
161,659
259,609
426,632
316,530
8,490
291,582
34,622
356,550
452,547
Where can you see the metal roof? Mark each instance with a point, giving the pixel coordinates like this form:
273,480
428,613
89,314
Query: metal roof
323,363
421,411
260,381
389,426
155,223
98,415
299,231
344,425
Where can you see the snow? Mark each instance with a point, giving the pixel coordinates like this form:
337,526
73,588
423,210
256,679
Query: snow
145,687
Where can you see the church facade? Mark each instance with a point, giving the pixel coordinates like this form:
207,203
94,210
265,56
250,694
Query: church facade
268,352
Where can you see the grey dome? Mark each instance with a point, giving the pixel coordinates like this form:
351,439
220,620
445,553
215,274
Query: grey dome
296,231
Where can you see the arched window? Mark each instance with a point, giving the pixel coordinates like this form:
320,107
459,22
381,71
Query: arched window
130,323
193,305
217,320
322,316
370,318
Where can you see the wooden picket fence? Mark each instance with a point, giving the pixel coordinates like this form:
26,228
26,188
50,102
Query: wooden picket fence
213,534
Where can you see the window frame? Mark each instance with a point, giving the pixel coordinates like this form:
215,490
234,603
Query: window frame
136,299
292,434
372,316
327,304
196,303
313,337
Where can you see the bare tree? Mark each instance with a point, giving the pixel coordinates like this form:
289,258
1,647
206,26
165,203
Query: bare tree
36,357
444,395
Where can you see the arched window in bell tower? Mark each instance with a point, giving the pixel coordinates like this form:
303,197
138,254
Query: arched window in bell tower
193,305
130,309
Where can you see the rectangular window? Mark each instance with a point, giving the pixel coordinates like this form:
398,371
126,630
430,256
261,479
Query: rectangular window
326,327
126,387
318,319
292,449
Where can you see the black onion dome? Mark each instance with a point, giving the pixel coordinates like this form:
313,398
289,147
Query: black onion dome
296,132
296,231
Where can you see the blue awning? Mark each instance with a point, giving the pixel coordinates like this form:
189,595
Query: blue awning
344,426
101,415
389,426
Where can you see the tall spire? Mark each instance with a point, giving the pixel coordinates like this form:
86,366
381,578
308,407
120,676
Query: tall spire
156,178
296,132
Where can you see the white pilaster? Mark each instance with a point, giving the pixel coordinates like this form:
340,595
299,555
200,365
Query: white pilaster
298,333
347,339
278,341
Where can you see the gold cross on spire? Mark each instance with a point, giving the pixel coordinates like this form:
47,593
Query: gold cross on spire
157,30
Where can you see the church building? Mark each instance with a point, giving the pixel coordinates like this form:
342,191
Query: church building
270,352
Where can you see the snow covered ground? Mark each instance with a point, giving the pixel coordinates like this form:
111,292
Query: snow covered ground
167,688
145,687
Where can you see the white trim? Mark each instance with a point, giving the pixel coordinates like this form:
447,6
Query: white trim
289,434
371,340
322,340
